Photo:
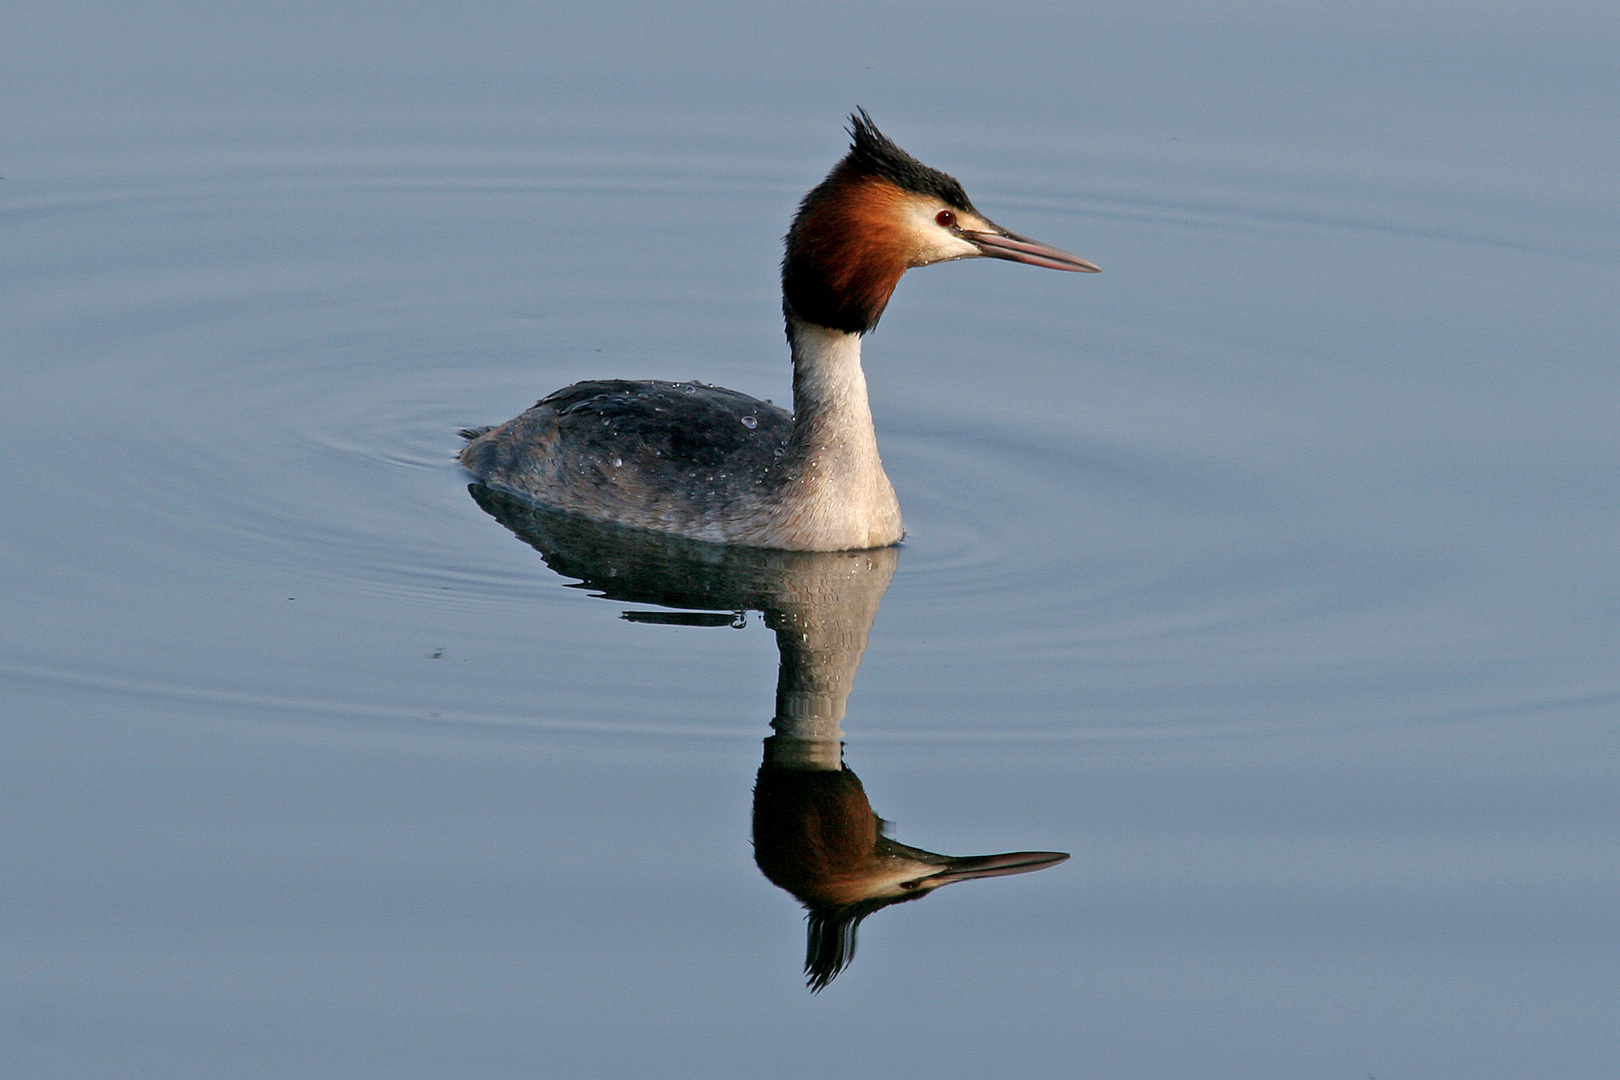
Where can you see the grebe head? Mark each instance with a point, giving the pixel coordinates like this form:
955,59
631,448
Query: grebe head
879,213
816,836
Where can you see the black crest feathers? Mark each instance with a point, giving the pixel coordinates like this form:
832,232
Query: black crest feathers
873,153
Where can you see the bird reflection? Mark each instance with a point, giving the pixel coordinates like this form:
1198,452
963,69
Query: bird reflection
815,834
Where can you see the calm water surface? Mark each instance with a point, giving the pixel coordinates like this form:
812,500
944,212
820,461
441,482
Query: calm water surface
1271,573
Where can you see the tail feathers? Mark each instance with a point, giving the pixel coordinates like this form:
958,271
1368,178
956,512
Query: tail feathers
471,433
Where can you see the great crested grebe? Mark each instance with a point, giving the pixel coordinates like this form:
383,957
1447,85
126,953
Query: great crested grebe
712,464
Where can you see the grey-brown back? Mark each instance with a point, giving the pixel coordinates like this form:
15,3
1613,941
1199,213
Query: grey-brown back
681,457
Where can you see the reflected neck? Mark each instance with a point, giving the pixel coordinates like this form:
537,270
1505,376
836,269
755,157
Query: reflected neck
798,754
820,647
818,662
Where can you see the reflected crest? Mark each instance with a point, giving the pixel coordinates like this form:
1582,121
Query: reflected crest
815,834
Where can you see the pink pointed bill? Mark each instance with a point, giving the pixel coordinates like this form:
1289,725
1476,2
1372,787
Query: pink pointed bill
983,866
1021,249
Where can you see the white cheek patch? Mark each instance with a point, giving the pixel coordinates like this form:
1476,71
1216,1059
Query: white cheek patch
931,241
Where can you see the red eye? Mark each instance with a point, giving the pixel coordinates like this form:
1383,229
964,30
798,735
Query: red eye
945,218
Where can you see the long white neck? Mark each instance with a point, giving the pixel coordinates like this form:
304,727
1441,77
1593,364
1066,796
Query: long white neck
841,496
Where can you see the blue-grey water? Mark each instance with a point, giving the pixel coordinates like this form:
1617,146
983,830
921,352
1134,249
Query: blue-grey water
1271,573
